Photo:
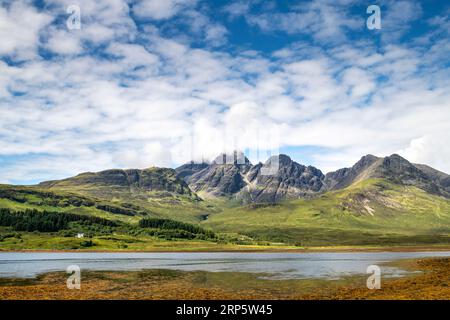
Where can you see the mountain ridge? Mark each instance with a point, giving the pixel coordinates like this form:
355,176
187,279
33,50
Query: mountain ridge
107,183
233,176
293,180
379,200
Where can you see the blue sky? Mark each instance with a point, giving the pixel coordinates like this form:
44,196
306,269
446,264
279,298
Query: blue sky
145,83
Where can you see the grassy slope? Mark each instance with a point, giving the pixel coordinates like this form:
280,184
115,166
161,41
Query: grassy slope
148,204
44,200
61,200
372,212
156,203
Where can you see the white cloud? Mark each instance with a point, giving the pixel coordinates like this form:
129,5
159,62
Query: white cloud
20,25
359,81
140,157
62,42
113,97
423,150
157,10
237,8
397,16
323,20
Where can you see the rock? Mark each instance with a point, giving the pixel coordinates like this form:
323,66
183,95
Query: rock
187,170
224,177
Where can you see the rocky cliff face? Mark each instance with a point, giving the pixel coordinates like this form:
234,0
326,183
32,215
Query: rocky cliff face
401,171
290,180
436,176
393,168
346,176
188,169
227,176
224,177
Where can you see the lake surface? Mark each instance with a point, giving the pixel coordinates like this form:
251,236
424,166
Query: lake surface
276,265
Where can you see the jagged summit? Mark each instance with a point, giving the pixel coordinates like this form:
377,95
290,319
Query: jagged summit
223,177
282,160
234,176
278,178
289,179
393,168
283,178
346,176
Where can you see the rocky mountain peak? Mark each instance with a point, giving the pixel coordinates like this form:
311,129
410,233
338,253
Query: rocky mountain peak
289,180
367,160
346,176
188,169
395,161
282,160
234,176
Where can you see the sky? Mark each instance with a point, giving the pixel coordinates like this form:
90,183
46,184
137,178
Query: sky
159,83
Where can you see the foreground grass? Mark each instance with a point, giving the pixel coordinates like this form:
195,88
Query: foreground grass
431,283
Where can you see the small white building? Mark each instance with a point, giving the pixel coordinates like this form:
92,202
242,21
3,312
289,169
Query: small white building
80,235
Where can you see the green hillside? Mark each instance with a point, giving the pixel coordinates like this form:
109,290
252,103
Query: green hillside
174,220
115,202
22,197
371,212
32,218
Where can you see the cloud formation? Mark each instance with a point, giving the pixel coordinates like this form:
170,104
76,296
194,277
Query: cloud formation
163,82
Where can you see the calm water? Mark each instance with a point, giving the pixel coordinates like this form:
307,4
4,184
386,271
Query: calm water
277,265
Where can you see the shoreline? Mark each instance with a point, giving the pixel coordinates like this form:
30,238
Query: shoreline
253,250
429,281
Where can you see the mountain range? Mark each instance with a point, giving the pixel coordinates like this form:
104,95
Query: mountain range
235,177
291,180
382,200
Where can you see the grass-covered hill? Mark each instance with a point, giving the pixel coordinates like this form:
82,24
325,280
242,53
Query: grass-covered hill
50,218
51,230
123,183
369,212
25,197
155,191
